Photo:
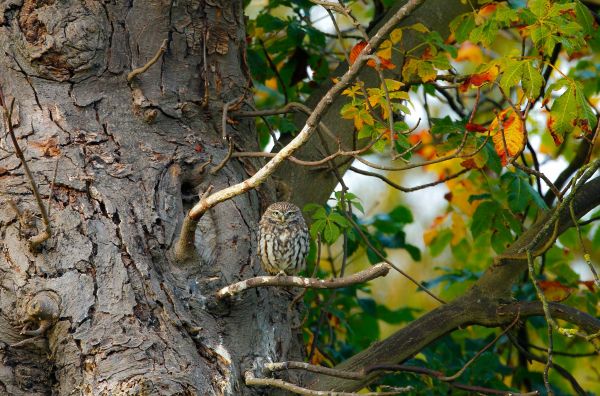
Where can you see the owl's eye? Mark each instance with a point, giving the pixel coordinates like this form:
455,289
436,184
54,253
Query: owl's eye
276,213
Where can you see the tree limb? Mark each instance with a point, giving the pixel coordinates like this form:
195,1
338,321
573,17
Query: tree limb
308,283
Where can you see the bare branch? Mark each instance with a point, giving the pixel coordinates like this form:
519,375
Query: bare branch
155,58
376,271
46,232
251,380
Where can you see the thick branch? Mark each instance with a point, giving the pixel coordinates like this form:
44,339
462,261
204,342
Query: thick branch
312,283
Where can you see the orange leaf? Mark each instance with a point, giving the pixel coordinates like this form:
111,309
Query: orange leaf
433,230
459,229
477,80
487,10
554,290
509,140
426,149
469,52
356,50
590,284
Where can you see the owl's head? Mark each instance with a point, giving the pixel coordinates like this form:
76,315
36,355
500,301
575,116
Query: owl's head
283,212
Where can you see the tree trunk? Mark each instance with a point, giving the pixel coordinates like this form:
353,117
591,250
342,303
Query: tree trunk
132,158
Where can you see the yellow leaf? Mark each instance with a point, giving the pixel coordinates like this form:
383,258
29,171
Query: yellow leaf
509,139
469,52
393,85
396,35
433,230
419,27
460,191
459,229
385,50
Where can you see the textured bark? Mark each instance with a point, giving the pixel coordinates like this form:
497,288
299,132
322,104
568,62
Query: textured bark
129,164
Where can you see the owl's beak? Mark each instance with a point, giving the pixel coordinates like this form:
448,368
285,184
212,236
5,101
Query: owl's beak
281,218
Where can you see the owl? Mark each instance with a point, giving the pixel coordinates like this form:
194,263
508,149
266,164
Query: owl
283,240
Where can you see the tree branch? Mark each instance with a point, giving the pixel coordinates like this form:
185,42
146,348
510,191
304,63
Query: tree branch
309,127
376,271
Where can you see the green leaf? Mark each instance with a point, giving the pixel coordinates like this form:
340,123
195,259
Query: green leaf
339,220
565,274
462,26
316,228
402,214
586,119
562,115
531,80
446,125
482,217
536,197
440,242
539,7
415,252
518,194
512,74
584,17
331,232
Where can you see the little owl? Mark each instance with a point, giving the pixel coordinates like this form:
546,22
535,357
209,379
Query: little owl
282,239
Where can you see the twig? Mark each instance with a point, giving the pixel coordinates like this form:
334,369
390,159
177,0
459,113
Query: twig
589,221
383,258
251,380
586,255
485,348
311,124
152,61
225,160
407,189
376,271
540,175
41,237
226,106
550,321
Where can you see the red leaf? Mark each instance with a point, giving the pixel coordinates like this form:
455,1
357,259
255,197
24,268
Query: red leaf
472,127
356,50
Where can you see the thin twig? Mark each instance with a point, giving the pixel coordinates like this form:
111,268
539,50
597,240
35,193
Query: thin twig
408,189
152,61
550,321
225,160
41,237
383,258
370,273
485,348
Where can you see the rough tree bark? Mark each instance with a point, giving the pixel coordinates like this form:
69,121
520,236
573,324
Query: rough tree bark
132,158
130,162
